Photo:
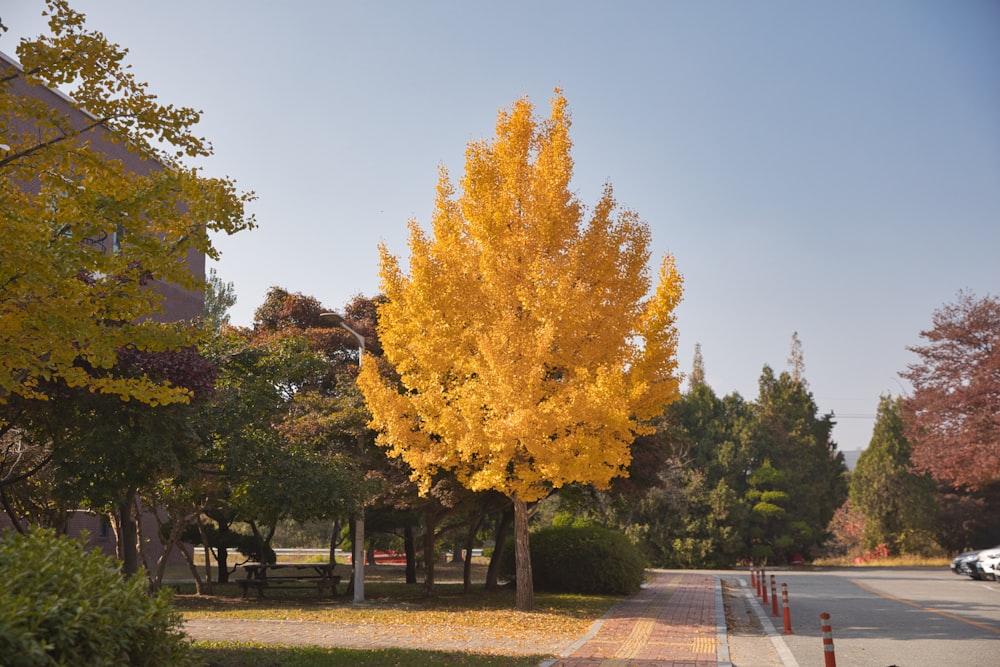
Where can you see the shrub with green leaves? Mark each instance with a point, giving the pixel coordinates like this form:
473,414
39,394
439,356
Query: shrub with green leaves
61,604
583,559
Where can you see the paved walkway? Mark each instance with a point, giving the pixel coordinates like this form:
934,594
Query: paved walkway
677,620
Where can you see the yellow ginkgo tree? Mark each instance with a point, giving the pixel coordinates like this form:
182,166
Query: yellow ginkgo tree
529,344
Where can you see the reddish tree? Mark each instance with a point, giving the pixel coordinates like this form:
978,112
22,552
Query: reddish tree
953,415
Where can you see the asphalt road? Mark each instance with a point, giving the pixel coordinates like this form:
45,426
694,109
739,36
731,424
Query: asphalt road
881,617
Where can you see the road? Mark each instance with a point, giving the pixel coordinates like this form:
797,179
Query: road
882,617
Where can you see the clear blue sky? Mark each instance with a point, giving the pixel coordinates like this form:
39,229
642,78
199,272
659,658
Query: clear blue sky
826,168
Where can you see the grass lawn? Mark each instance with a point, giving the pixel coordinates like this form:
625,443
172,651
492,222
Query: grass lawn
241,655
390,602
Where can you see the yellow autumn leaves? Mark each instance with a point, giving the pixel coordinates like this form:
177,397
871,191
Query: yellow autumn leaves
528,349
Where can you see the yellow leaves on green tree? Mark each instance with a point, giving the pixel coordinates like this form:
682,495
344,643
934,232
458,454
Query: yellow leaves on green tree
100,218
529,341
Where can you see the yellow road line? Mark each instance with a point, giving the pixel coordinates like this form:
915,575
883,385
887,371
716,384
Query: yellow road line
946,614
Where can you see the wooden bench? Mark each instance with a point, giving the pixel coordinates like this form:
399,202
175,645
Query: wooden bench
290,575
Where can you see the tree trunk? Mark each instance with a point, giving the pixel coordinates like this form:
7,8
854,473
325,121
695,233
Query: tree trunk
525,598
470,540
15,521
430,525
199,587
172,540
410,549
143,560
334,541
127,535
208,555
221,550
114,521
499,542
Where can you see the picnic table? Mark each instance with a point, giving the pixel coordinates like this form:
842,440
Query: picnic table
265,575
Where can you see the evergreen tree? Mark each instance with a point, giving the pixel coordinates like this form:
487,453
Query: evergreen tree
698,517
789,435
898,505
697,369
796,360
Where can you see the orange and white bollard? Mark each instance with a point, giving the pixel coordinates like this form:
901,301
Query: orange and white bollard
753,576
830,659
764,589
774,598
760,578
787,611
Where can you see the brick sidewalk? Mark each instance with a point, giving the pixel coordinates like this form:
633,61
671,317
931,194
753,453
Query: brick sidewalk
676,620
673,622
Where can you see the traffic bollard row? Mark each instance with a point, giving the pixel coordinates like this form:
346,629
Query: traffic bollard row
758,582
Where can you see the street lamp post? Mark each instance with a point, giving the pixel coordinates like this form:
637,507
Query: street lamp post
359,522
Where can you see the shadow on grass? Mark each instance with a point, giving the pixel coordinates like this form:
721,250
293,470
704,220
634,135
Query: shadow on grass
259,655
227,599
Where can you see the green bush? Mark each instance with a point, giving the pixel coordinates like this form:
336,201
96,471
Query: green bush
582,559
61,604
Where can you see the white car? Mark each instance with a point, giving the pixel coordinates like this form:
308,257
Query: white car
988,563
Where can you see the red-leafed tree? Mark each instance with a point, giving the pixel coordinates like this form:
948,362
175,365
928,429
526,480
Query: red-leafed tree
953,415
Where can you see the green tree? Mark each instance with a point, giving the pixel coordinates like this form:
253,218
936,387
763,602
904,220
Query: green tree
87,237
528,347
219,298
773,530
107,452
898,505
714,464
788,434
264,476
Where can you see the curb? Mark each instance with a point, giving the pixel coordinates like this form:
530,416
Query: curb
722,657
787,659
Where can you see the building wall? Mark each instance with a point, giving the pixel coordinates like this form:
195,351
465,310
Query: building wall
179,304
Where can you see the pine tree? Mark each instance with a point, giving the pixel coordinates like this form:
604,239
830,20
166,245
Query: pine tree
898,505
697,369
790,435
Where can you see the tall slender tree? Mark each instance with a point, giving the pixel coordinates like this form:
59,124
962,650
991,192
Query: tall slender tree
896,503
797,360
789,435
528,346
697,376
